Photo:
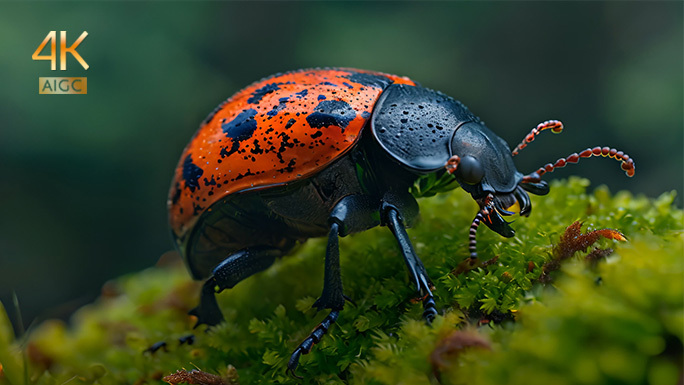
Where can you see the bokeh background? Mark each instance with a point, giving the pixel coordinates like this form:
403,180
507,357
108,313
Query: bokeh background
85,177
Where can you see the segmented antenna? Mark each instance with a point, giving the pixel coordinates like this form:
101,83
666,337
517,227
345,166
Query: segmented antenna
627,162
554,125
472,245
452,164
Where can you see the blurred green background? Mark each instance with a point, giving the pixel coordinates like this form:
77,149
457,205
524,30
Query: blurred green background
85,177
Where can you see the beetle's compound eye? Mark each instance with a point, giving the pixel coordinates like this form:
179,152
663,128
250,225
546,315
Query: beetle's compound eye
470,170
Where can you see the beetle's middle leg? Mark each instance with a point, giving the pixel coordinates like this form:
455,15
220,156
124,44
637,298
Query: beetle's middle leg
332,298
351,214
394,209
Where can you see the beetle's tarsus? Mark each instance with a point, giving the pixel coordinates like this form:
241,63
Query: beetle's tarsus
430,309
310,341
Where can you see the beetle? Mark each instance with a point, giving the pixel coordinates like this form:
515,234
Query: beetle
335,151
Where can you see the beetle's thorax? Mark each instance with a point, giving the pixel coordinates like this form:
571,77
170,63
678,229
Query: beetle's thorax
414,126
421,129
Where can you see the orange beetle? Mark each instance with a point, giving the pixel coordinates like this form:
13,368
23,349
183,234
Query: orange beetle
335,151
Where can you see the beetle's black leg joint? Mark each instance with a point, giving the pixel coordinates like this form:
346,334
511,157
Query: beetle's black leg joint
310,341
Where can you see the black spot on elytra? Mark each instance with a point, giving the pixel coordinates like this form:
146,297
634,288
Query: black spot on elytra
321,97
329,84
282,103
240,176
302,93
191,173
284,144
316,134
331,113
256,149
290,123
196,209
288,168
211,182
369,80
176,193
240,128
261,92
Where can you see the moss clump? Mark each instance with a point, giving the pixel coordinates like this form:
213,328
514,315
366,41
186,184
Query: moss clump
617,321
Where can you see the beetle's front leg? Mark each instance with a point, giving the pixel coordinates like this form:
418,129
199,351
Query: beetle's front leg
393,219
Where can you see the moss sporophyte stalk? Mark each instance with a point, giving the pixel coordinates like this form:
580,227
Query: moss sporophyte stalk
543,308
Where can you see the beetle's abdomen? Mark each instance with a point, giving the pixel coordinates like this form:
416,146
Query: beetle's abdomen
278,130
232,224
275,218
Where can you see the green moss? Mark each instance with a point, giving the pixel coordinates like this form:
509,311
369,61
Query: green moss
618,322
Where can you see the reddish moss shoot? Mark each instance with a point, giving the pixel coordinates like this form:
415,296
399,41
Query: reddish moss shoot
573,241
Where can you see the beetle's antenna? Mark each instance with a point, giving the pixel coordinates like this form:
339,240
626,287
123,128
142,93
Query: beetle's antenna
627,162
472,241
452,164
472,244
555,125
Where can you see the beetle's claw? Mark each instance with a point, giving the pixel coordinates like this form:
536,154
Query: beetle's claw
293,363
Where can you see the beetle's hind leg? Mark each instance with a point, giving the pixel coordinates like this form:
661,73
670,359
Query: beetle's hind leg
227,274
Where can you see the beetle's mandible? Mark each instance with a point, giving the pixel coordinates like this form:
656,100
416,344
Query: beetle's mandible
319,152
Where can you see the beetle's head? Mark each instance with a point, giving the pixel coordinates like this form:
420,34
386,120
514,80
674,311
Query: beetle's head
483,165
